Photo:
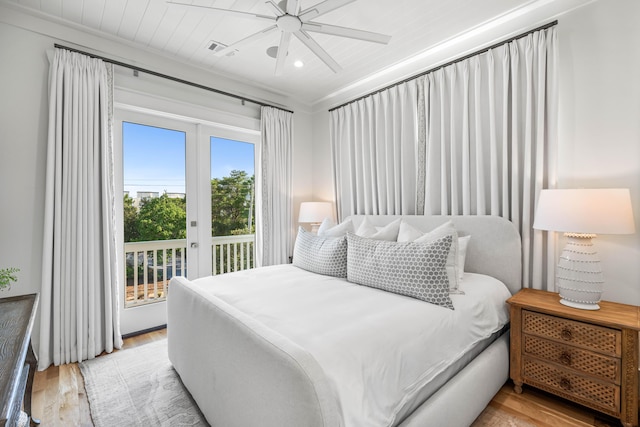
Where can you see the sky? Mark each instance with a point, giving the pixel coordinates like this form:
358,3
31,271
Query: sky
154,158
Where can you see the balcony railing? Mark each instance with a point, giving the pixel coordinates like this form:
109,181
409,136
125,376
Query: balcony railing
151,265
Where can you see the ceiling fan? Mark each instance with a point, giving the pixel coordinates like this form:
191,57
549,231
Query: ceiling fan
290,20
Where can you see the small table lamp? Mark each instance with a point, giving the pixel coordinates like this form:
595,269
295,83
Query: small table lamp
314,213
581,214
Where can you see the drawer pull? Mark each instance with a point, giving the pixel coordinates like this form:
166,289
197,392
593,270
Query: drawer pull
566,334
565,384
565,358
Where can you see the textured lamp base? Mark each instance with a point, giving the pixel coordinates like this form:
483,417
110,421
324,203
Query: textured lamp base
580,305
579,275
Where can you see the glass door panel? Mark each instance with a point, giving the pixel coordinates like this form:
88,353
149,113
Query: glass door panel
232,205
154,210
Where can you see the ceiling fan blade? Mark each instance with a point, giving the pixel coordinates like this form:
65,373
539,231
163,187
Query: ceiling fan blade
237,13
346,32
282,52
317,50
293,6
322,8
274,7
252,37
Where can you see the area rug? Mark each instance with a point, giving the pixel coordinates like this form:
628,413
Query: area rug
138,387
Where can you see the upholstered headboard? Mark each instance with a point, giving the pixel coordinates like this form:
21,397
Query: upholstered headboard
494,248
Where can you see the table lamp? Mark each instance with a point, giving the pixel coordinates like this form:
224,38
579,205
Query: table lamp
314,213
581,214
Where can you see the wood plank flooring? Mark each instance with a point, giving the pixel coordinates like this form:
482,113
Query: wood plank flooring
59,400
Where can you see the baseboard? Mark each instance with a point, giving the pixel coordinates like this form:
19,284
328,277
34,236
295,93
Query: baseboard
144,331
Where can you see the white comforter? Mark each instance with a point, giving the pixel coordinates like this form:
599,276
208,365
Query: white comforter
377,349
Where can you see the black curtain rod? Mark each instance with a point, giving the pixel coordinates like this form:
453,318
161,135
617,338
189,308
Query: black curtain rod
478,52
165,76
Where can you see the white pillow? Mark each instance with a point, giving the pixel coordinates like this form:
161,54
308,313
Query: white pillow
463,243
388,232
409,233
328,228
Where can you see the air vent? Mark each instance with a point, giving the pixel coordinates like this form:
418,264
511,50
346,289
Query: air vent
216,46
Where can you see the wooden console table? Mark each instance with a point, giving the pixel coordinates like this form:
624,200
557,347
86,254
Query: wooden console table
17,360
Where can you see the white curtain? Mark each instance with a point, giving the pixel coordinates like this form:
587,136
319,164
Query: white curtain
79,297
374,152
490,139
274,203
474,138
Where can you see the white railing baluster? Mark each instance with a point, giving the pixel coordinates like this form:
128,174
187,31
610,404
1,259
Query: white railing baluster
145,274
135,275
235,257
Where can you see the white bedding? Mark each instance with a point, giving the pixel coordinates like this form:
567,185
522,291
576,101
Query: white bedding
378,363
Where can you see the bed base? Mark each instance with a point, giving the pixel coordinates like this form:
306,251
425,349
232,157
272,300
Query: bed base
461,400
285,386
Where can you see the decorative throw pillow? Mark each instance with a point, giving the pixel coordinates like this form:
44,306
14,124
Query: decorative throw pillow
412,269
322,255
388,232
409,233
329,228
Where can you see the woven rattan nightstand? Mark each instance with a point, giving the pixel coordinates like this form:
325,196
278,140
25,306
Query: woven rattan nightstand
588,357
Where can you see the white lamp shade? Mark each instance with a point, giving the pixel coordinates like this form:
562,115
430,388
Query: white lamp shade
314,212
589,211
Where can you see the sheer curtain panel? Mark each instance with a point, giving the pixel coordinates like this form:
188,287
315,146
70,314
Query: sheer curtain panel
274,210
79,297
489,139
374,151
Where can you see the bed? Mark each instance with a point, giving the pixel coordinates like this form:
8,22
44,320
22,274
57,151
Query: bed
282,346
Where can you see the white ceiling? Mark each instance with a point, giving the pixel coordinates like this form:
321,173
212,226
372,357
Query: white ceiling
183,33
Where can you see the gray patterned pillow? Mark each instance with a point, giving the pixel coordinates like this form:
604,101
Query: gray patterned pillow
322,255
413,269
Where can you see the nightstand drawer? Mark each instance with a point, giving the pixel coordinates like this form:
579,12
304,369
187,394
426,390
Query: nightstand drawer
596,338
594,364
596,394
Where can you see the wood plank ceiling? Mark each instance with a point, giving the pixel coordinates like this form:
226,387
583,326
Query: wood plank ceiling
184,33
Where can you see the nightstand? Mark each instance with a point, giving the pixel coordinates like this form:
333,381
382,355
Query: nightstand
588,357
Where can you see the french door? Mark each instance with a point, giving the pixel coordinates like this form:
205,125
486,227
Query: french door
171,172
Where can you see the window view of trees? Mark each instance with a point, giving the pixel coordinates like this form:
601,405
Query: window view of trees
157,218
164,217
232,204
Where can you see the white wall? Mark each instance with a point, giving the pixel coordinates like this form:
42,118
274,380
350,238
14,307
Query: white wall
24,71
23,130
599,123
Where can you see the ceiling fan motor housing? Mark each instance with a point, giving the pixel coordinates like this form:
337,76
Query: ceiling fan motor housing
289,23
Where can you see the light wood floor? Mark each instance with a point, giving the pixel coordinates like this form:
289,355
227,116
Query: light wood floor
59,400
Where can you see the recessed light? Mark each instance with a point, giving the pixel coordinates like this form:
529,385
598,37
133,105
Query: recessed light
298,64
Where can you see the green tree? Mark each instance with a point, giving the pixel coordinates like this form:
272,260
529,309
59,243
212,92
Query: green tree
131,233
162,218
232,204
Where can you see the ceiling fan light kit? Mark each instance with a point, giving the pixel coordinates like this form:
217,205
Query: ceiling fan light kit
289,20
